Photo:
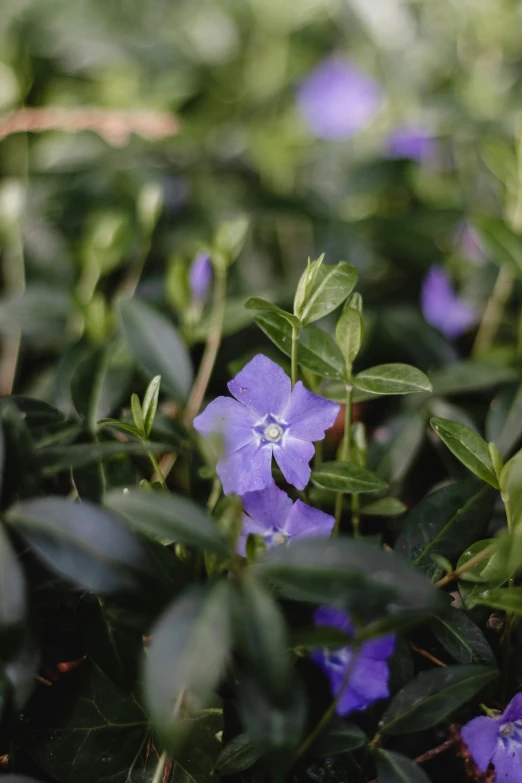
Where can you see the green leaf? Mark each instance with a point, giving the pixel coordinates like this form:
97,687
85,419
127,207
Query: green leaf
57,458
331,284
157,347
37,413
468,447
190,646
511,489
12,598
392,379
367,578
504,419
312,637
396,768
470,376
433,695
81,542
150,403
395,446
137,414
349,334
508,600
316,350
168,518
99,383
445,522
262,304
385,507
500,242
346,477
237,755
119,425
461,637
340,738
496,459
491,572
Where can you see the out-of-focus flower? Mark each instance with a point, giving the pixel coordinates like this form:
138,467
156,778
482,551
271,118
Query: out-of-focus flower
271,514
200,277
498,741
337,100
364,680
267,417
442,307
412,142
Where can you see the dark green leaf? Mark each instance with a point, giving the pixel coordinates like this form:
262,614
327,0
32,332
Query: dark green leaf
346,477
316,350
385,507
318,636
81,542
504,419
468,447
157,347
58,458
392,379
433,695
237,755
470,376
262,304
20,672
21,474
37,413
507,600
12,598
396,768
331,285
395,446
189,649
99,383
340,738
168,518
500,242
445,522
459,635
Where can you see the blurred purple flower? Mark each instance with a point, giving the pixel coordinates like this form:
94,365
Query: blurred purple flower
200,276
442,307
368,675
412,142
267,417
498,741
337,100
271,514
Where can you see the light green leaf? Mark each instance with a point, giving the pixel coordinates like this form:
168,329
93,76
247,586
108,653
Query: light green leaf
385,507
392,379
261,304
346,477
349,334
468,447
331,285
150,403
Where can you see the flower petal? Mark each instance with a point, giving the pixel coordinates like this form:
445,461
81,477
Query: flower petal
229,423
263,386
249,526
337,618
303,521
370,679
246,470
309,415
269,507
480,736
293,456
379,649
350,701
508,763
514,709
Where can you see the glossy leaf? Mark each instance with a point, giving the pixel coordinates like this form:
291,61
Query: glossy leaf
237,755
461,637
392,379
491,572
433,695
385,507
468,447
340,737
331,285
346,477
167,518
349,334
157,347
395,768
262,304
190,645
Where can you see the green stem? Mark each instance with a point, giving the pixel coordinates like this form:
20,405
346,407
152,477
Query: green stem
471,563
157,470
509,619
345,454
295,337
211,348
494,312
214,495
159,772
130,283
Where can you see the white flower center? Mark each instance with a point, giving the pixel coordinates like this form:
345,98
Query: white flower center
279,538
273,432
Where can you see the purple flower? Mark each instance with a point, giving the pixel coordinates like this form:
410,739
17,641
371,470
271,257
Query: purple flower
271,514
337,100
412,142
498,741
368,677
267,417
200,276
442,307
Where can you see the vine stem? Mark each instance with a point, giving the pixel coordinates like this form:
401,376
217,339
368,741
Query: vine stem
160,768
493,312
472,562
345,457
295,337
211,348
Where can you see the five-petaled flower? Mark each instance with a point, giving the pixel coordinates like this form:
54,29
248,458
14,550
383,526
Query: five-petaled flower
363,680
442,307
267,417
271,514
498,741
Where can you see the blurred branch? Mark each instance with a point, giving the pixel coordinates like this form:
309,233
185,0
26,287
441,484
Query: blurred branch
114,126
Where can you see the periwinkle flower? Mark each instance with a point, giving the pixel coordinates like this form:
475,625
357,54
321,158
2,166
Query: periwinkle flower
200,276
364,680
498,741
266,418
442,307
271,514
412,142
337,100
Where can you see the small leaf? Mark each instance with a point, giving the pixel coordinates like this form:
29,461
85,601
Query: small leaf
511,489
150,403
468,447
496,459
433,695
385,507
500,598
157,347
168,518
392,379
137,414
349,334
459,635
395,768
262,304
190,645
340,738
331,285
346,477
237,755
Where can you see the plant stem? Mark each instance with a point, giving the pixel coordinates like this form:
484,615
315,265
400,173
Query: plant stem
157,471
160,768
509,619
472,562
494,312
211,348
345,456
214,495
295,337
131,280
